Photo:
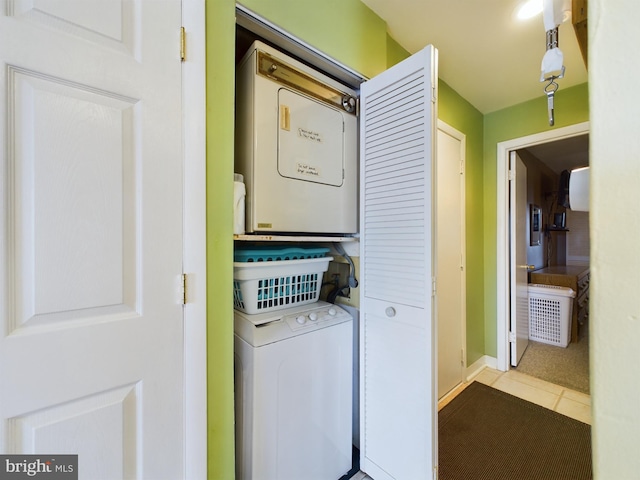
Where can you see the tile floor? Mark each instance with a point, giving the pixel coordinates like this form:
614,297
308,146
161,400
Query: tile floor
568,402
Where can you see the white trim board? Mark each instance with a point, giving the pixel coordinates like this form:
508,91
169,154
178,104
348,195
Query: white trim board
476,367
195,258
502,227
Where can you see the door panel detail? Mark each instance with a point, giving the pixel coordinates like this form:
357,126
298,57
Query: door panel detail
392,344
71,156
104,22
109,418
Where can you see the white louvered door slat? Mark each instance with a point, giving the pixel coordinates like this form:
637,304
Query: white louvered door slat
397,352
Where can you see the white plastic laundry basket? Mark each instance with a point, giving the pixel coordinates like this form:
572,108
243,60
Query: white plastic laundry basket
266,286
550,309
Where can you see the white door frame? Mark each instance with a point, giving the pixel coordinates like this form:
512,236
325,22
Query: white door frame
502,244
195,258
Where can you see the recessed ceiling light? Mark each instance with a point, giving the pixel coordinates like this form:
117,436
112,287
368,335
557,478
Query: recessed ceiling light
529,9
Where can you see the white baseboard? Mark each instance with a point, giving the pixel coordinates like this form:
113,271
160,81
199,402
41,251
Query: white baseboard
483,362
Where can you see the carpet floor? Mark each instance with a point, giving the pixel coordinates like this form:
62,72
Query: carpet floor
486,434
568,367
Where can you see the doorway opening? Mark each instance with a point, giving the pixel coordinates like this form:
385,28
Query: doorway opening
504,263
556,247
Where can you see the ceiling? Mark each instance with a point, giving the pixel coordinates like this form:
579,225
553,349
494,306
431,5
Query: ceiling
565,154
489,57
485,54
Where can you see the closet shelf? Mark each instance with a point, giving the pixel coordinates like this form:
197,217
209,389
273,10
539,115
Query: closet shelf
292,238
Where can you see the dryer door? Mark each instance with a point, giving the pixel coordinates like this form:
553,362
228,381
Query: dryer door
310,140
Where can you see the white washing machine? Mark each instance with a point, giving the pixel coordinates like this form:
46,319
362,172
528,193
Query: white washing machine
293,371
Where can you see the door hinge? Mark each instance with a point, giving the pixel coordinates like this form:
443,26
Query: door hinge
183,288
183,44
512,337
512,175
462,357
433,286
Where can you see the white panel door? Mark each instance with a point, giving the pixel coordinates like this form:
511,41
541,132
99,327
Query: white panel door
519,308
398,436
450,258
91,340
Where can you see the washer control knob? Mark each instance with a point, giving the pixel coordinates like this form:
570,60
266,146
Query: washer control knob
333,311
313,316
301,319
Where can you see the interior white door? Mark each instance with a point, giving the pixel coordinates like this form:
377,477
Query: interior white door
450,249
398,433
91,339
519,308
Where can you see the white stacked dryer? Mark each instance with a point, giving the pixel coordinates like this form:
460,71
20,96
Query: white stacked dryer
296,145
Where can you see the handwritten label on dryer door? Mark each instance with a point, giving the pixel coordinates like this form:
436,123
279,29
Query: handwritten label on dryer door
309,135
306,169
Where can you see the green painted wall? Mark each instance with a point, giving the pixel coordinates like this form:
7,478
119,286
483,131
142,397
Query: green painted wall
461,115
346,30
220,58
395,52
571,107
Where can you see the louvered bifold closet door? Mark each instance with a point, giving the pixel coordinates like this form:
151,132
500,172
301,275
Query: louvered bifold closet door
397,352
